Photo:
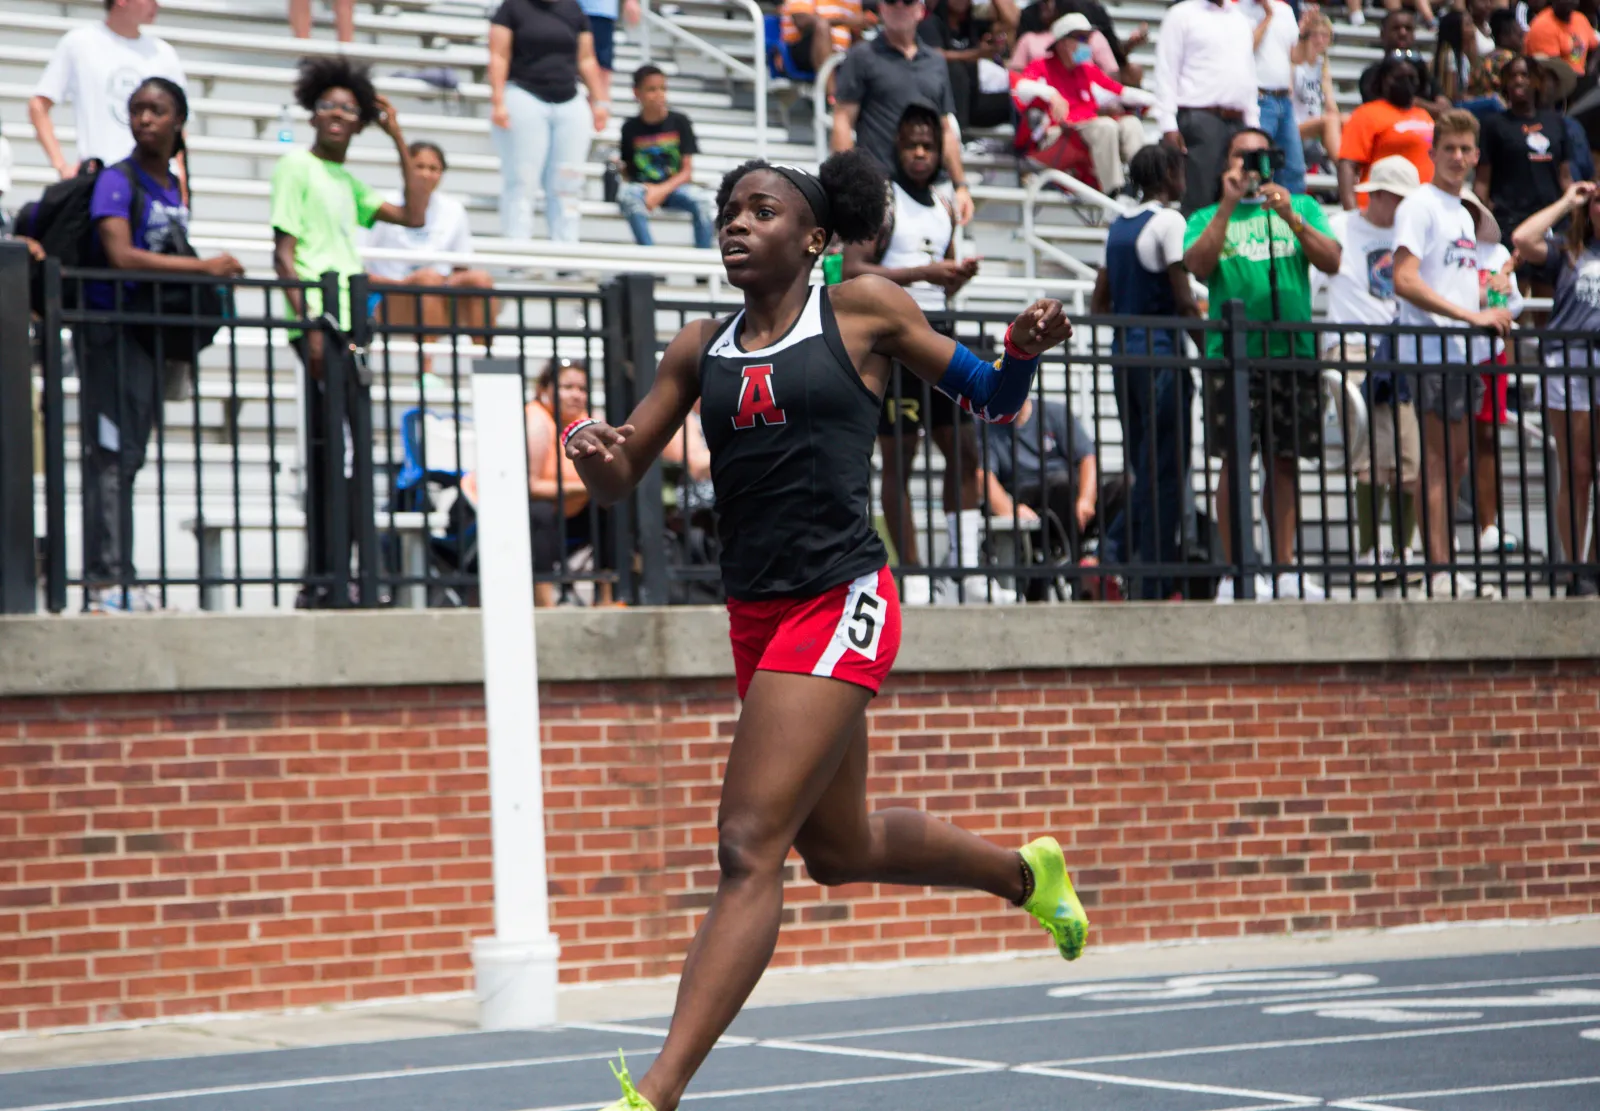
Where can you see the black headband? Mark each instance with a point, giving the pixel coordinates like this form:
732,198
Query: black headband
811,189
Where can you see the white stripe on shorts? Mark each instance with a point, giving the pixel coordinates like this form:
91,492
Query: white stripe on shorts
867,622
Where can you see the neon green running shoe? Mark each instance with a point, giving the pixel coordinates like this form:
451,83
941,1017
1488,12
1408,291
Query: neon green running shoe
631,1099
1053,901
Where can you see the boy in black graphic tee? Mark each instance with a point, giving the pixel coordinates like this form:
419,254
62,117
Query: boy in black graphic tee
658,149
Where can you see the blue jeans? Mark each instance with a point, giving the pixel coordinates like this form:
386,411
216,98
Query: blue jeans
1157,414
696,200
545,147
1277,120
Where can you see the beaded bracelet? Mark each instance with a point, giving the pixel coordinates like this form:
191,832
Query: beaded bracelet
575,427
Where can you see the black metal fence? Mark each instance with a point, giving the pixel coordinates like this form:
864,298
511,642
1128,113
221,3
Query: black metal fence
317,458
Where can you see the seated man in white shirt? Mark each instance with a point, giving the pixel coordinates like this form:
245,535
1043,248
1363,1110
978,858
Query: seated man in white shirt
96,68
1436,281
444,231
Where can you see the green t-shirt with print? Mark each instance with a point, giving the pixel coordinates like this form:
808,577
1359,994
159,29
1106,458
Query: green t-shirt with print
321,204
1241,272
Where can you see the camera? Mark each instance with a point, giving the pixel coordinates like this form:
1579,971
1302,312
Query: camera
1268,162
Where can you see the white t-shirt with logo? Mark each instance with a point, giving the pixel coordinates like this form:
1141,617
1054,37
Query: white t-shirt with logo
444,228
96,70
1362,292
1439,230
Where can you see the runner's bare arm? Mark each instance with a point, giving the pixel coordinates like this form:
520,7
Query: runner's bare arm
611,461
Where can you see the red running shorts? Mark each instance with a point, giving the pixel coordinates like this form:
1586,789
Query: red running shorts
1494,393
851,632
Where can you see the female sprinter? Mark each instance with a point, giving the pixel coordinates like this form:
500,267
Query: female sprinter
790,390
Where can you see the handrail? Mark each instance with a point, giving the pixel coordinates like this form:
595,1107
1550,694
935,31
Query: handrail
1035,184
756,72
821,121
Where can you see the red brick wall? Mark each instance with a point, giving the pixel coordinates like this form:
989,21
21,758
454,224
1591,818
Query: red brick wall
172,854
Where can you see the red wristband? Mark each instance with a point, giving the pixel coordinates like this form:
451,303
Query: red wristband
581,422
1016,352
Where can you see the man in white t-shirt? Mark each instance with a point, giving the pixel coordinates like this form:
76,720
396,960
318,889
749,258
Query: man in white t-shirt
1362,292
1436,281
96,68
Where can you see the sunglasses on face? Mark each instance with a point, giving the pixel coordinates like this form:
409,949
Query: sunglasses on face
334,108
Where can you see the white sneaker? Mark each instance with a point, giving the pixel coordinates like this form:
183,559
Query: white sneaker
1299,588
1357,18
1366,567
112,599
1225,590
1446,585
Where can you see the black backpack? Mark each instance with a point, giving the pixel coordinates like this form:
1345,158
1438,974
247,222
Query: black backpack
59,222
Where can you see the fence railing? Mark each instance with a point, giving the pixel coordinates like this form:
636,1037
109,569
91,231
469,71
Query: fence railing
307,458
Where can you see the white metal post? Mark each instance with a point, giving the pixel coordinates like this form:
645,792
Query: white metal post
516,968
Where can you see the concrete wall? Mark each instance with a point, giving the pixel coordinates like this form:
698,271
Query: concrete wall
210,813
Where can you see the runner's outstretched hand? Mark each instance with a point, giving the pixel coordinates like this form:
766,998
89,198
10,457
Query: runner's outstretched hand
597,440
1041,326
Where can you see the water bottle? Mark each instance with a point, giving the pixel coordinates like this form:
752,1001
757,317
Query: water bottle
285,127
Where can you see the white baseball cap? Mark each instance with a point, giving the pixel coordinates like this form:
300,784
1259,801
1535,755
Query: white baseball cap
1069,24
1394,174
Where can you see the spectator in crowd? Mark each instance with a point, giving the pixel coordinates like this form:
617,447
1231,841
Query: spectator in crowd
1465,38
5,181
1497,281
1144,276
1483,85
317,205
658,149
1276,38
916,249
816,29
1362,293
1038,17
1397,36
1033,45
1525,162
951,29
1316,111
1571,386
1562,31
1080,96
1555,83
1045,460
603,26
141,221
1436,282
1230,246
558,502
95,68
538,52
1395,124
1206,77
444,230
344,19
879,79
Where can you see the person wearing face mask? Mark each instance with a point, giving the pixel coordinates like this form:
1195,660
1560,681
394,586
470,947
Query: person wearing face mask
1206,74
1395,124
1077,94
1398,38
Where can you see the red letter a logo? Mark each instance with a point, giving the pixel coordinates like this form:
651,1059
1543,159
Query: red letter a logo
755,398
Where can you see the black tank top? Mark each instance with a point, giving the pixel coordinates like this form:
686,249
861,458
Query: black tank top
791,430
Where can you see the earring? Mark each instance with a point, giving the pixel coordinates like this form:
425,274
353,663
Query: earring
813,251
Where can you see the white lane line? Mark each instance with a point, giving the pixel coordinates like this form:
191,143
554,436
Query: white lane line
808,1086
1168,1085
884,1055
1178,1008
616,1028
1339,1039
1362,1105
1274,1106
1570,1082
315,1081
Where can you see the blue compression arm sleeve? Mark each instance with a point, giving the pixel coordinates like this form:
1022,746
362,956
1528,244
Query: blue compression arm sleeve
992,393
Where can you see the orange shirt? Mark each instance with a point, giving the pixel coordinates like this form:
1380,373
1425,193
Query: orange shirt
1378,129
576,494
834,11
1548,37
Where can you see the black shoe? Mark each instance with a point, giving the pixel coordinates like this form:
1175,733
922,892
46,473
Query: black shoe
1583,586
